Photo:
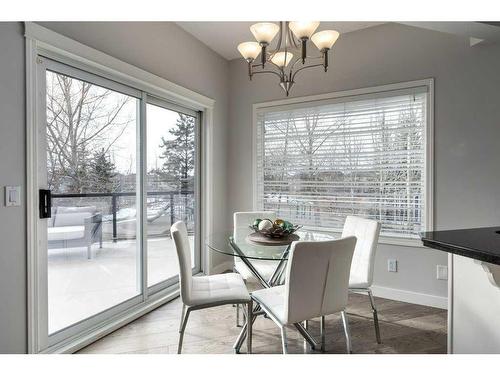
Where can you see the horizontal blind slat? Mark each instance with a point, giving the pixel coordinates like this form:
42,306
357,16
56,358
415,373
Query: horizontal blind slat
318,162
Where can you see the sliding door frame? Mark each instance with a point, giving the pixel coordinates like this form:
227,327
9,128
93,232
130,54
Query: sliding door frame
43,42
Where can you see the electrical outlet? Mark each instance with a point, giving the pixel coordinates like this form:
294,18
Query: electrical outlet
442,272
392,265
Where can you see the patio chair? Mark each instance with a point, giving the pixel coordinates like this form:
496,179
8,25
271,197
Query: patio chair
74,227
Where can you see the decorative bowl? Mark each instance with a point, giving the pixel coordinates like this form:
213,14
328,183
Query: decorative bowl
278,229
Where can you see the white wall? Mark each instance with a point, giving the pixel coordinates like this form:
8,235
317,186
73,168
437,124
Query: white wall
161,48
466,132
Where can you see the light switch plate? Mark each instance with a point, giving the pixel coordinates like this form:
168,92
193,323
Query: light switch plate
392,265
442,272
12,196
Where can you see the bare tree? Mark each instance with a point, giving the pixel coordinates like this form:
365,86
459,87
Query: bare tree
303,139
82,119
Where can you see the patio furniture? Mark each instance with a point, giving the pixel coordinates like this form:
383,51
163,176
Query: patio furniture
203,292
367,232
74,227
316,284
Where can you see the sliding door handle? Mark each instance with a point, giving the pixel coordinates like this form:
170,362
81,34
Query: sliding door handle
44,203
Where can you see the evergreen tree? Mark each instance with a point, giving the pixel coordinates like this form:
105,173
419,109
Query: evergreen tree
179,153
102,173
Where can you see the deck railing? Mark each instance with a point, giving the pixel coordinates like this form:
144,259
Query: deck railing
114,202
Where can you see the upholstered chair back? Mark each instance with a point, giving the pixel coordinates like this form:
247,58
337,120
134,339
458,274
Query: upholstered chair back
181,240
317,278
366,232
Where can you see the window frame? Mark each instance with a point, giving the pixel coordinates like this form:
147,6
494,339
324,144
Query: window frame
428,178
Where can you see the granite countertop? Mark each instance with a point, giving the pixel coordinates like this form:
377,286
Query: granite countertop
476,243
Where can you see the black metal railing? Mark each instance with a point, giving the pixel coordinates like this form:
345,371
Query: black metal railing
116,195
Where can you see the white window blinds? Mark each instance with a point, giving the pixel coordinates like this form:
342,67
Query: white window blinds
318,162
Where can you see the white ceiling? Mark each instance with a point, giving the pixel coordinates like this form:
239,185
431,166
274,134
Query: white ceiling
224,37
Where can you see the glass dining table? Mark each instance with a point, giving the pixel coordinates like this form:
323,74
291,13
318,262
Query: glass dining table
248,250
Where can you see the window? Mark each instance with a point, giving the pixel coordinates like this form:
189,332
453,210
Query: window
319,161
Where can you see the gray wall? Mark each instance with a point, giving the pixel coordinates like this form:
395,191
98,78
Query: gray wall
467,129
163,49
12,172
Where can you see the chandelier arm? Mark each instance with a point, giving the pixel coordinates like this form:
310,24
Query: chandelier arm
268,61
304,67
295,62
309,58
278,45
291,37
267,71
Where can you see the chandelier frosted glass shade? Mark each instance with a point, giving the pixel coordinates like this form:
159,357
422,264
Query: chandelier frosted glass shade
282,59
303,29
325,40
249,50
264,32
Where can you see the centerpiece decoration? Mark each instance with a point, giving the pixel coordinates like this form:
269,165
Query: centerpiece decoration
278,228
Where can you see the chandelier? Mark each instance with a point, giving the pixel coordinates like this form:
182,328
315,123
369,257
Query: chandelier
290,55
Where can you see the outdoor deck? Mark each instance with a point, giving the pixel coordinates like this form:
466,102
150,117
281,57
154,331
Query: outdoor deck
79,287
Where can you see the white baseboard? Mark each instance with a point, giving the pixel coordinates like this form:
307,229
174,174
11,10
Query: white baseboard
410,297
222,267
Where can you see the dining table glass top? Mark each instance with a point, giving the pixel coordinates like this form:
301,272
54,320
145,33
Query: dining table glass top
224,242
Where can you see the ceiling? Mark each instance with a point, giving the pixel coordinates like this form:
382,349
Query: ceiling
224,37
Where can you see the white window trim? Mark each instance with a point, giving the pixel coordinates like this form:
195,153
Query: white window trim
40,40
428,145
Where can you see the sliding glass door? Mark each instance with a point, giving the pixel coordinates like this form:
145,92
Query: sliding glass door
91,157
171,185
116,168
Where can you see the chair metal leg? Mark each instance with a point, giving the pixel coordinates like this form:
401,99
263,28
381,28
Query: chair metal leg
244,313
238,316
375,317
249,326
305,334
306,327
284,345
183,328
322,332
182,317
347,332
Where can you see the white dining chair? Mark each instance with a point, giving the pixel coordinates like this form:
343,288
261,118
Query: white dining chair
205,291
316,284
367,232
241,229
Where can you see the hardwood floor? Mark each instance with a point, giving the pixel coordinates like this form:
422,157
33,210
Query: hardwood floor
405,328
